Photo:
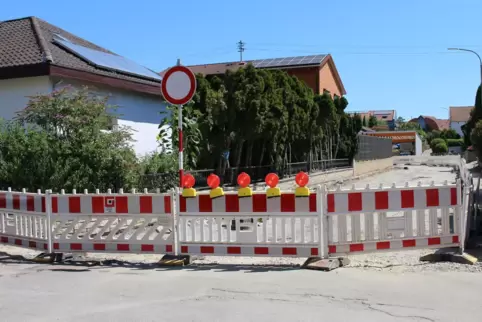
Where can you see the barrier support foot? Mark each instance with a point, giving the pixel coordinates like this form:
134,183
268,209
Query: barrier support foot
325,264
173,260
449,255
48,258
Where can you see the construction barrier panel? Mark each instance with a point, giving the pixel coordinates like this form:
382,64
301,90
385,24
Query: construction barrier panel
300,223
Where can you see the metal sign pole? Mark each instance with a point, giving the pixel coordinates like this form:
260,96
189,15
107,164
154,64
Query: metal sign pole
181,148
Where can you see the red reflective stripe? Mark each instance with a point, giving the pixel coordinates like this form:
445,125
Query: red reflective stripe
145,204
261,250
407,199
331,249
259,203
182,204
289,251
3,200
331,202
4,239
314,252
455,239
16,202
205,203
184,249
55,205
44,208
169,248
383,245
122,204
99,247
434,241
357,248
167,204
147,248
18,242
207,250
32,244
234,250
123,247
355,201
453,196
74,205
232,203
288,202
432,197
97,204
409,243
381,200
313,202
30,203
75,246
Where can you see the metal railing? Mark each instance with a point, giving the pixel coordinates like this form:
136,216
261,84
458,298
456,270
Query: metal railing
258,173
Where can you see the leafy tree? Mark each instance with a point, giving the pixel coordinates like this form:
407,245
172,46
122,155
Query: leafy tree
476,138
364,121
475,117
252,117
372,121
66,140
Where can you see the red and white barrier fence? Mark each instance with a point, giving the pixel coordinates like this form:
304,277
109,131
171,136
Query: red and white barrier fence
302,223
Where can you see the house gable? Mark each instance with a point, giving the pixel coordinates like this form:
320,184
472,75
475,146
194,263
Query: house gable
42,56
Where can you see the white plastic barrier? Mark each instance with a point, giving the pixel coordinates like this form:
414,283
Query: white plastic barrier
120,223
283,226
324,223
395,218
23,220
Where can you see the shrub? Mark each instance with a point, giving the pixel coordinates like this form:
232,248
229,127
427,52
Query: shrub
60,141
436,141
455,142
440,147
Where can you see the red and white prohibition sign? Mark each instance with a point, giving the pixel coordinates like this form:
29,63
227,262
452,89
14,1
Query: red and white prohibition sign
178,87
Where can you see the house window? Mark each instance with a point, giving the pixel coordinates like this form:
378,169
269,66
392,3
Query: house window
384,117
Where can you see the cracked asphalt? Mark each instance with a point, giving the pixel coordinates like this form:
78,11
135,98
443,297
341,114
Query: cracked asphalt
36,292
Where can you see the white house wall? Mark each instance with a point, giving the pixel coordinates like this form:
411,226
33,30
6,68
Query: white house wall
457,126
14,93
139,111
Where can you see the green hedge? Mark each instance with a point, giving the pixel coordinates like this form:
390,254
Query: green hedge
455,142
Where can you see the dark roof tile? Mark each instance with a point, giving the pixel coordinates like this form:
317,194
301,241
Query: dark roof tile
20,45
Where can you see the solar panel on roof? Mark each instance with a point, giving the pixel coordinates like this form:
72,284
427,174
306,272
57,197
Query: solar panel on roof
288,61
109,61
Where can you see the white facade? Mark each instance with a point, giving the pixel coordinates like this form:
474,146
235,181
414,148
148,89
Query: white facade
139,111
418,145
14,93
457,126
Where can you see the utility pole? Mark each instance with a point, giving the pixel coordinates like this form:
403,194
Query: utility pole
241,49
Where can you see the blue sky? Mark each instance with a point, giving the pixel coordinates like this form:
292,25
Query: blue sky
391,54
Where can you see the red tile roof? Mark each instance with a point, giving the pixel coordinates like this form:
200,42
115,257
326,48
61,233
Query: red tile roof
460,113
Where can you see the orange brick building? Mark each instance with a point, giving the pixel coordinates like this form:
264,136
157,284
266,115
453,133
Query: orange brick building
317,71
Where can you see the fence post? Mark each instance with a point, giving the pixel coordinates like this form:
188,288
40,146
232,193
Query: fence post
48,209
323,223
176,208
460,213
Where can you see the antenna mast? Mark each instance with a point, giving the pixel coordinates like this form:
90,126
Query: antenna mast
241,49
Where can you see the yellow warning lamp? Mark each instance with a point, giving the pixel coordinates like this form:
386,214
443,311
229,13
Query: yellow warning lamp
272,182
188,182
213,183
302,179
243,181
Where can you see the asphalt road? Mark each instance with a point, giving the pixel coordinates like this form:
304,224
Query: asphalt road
230,293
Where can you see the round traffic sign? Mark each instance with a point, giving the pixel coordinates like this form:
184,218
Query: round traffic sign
178,85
